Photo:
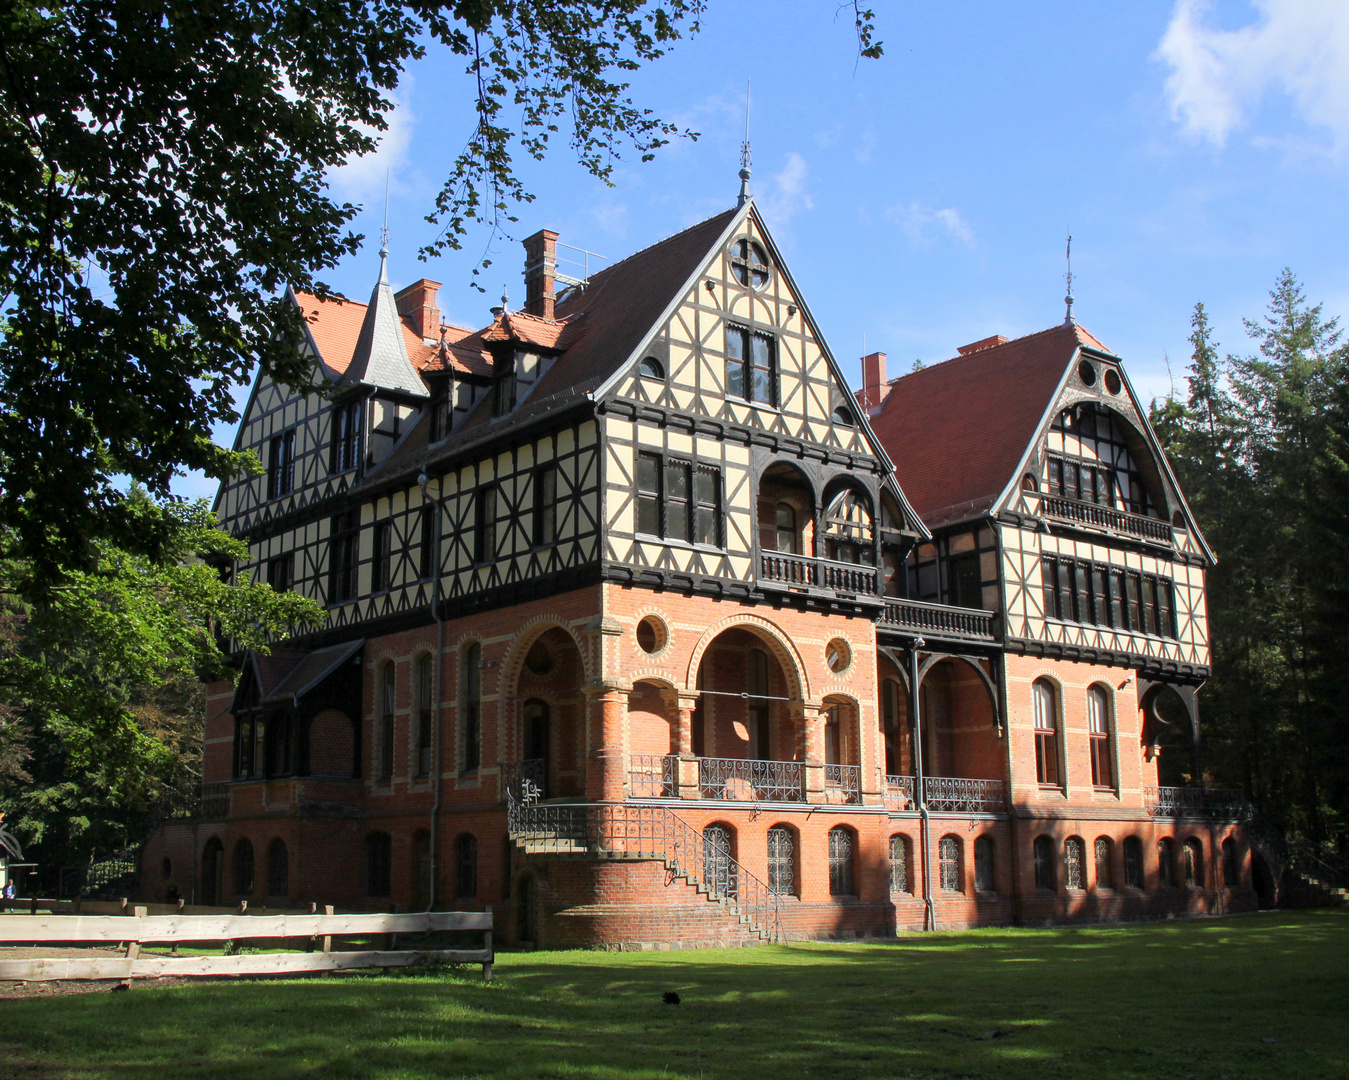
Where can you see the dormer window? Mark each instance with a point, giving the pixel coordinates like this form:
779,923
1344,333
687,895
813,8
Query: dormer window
345,437
651,368
749,266
514,383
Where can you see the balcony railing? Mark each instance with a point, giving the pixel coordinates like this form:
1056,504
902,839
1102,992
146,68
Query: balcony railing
800,571
842,784
1105,517
215,800
937,620
1224,804
652,776
899,792
958,795
522,780
747,780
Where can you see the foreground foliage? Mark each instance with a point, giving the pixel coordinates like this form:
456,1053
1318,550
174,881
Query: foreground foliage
1257,996
1261,448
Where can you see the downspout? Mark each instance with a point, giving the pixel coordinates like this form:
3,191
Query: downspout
438,683
924,842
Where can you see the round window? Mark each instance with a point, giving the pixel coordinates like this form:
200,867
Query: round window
837,655
1112,381
749,265
539,660
651,635
1087,373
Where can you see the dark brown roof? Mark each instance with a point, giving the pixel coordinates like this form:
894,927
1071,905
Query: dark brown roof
957,430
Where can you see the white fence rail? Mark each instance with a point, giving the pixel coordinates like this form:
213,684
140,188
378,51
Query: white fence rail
133,931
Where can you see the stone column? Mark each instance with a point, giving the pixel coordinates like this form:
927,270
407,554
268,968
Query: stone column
809,718
606,770
686,764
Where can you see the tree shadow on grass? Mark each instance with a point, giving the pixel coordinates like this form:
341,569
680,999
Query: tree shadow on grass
1185,999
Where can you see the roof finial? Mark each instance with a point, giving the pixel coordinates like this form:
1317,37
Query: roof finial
384,235
1068,277
745,155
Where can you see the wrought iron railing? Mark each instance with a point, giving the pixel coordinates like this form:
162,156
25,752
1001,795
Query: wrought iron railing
1225,804
938,620
105,871
788,569
629,830
522,779
1105,517
899,792
959,795
215,800
843,783
748,780
652,776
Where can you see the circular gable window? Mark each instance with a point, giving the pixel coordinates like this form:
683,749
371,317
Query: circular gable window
1087,373
749,265
1112,381
837,655
651,635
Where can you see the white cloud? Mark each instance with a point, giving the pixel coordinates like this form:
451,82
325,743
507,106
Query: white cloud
361,179
1218,77
920,222
785,195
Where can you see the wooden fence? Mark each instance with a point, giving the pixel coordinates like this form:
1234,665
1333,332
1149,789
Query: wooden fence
130,932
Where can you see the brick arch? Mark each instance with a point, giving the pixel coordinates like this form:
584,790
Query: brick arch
788,657
530,632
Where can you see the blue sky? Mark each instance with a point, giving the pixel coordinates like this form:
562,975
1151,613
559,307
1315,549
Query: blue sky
922,200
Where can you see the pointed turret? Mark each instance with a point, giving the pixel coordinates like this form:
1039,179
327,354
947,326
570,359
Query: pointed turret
381,356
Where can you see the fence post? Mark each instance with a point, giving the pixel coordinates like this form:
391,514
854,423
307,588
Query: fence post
327,939
487,948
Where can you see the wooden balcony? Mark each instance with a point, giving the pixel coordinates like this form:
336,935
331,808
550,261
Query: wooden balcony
778,569
940,622
1107,518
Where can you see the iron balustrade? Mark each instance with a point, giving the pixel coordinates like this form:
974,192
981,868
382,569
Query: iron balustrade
842,783
1220,803
215,800
1105,517
788,569
522,780
959,795
652,776
748,780
938,620
650,831
899,792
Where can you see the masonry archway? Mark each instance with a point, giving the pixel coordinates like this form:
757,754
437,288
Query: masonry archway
543,711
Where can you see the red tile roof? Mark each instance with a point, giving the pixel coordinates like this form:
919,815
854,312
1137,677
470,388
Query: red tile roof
957,430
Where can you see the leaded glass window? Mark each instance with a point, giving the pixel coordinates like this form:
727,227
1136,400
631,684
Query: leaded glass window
781,851
1104,875
749,266
1073,858
899,864
948,854
840,862
717,874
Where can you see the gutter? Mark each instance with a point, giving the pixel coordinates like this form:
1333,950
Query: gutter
924,838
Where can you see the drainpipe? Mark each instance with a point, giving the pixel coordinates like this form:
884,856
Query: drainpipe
924,842
436,692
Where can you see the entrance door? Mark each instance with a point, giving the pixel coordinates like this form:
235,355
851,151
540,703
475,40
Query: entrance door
537,719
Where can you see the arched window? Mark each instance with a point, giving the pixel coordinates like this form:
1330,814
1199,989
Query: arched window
651,368
848,528
1166,863
470,726
840,862
784,525
213,872
1074,859
425,684
718,874
890,725
278,868
948,856
466,867
387,688
781,865
899,864
1105,877
983,864
1231,868
1044,864
1098,720
1046,732
378,864
843,416
243,868
1133,862
1194,863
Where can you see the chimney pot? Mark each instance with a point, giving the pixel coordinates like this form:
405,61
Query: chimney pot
418,303
540,268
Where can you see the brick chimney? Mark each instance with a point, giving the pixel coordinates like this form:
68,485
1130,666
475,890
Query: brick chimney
874,386
418,303
540,266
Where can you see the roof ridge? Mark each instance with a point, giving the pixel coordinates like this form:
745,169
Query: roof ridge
662,240
982,353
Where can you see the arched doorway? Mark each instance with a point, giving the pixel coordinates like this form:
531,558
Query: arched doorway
537,719
212,872
549,715
1266,887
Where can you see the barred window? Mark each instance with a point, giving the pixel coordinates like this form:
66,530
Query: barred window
1044,864
1073,858
781,851
718,874
948,855
840,862
1133,862
1098,722
899,864
983,864
1104,875
1045,702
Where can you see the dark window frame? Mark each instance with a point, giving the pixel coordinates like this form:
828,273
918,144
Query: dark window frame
345,446
750,376
381,557
545,505
344,546
281,572
281,465
485,510
684,496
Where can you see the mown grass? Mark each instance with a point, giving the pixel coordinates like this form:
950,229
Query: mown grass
1261,996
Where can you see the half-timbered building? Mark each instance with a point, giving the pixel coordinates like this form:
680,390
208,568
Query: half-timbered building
634,635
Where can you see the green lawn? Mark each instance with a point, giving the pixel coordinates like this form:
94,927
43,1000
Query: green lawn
1263,996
